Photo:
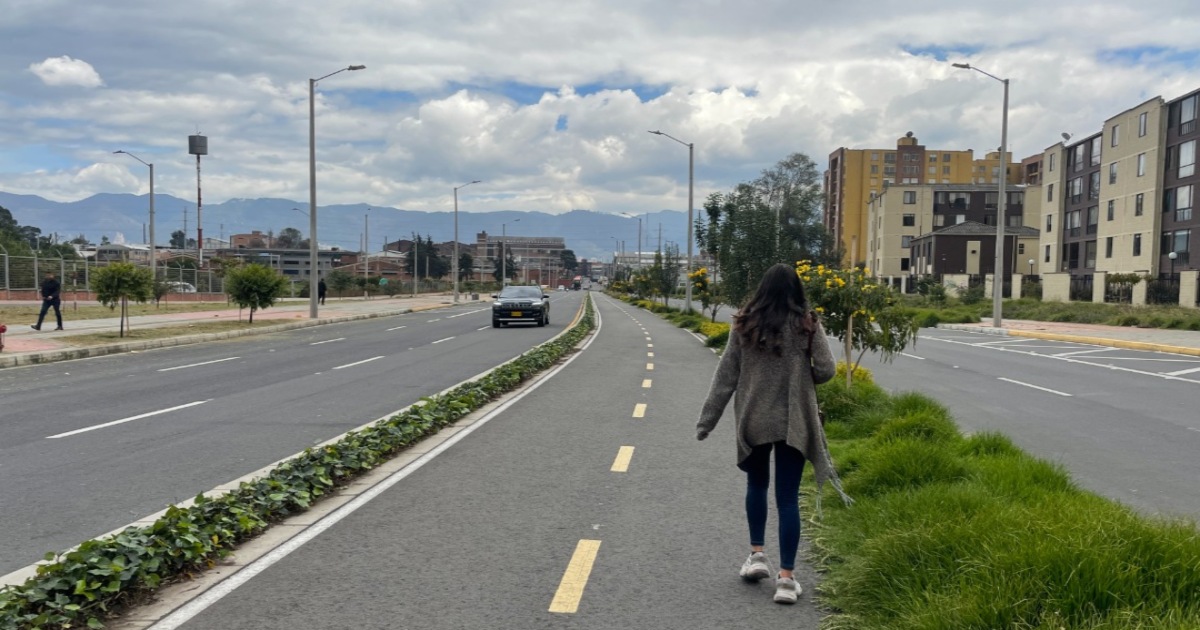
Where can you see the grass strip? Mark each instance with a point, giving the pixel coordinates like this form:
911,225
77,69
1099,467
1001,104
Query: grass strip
161,332
954,532
24,314
86,586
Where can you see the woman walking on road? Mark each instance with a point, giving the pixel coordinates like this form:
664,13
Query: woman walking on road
776,355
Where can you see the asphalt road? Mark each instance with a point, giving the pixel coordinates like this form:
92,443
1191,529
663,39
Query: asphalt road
482,535
91,445
1124,423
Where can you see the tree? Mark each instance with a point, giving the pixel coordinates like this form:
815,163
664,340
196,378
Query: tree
509,267
569,261
117,283
465,262
178,240
289,238
104,240
255,286
339,281
864,315
428,262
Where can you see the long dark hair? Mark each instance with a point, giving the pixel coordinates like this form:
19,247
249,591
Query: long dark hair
778,303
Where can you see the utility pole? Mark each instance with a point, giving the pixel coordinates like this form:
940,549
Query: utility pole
366,252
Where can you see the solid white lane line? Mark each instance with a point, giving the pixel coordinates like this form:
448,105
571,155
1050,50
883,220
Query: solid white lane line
434,320
317,343
1052,391
124,420
1075,352
218,592
1182,372
358,362
181,367
484,328
912,356
441,340
396,328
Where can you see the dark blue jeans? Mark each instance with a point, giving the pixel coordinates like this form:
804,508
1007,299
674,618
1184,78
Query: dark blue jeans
789,464
46,305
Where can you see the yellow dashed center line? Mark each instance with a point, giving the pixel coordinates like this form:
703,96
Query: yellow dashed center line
646,384
621,463
650,367
570,589
639,410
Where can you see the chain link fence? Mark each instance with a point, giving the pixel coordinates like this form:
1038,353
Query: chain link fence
25,273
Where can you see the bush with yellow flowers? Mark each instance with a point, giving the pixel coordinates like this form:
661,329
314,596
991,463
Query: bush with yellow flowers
862,314
704,291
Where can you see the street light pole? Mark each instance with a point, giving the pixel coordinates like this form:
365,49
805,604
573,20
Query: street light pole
639,245
504,253
153,251
1172,256
455,265
998,281
314,274
691,185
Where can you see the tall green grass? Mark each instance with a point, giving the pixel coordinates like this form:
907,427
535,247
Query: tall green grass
958,533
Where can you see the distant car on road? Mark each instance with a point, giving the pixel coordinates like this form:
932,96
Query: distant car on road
181,287
520,304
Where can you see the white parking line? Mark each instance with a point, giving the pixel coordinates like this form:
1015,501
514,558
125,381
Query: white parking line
358,362
1052,391
317,343
1067,359
1075,352
1182,372
124,420
180,367
441,340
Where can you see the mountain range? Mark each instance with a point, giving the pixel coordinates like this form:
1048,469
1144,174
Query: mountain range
123,219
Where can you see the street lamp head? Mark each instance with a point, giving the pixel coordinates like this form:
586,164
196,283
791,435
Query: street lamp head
1172,255
118,151
964,66
356,68
477,181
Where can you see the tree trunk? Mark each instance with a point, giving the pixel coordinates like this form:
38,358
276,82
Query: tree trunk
251,314
849,348
124,314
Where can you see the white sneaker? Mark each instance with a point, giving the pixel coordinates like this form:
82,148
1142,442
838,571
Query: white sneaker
787,591
755,567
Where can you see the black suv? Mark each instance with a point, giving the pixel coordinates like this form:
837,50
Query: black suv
521,304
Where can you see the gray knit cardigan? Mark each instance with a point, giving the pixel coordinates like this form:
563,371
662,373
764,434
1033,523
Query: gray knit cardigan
776,398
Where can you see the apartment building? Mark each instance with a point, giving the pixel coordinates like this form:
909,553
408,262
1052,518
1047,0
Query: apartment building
538,258
1120,201
902,214
855,176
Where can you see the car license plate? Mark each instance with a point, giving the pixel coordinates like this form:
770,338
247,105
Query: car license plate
516,313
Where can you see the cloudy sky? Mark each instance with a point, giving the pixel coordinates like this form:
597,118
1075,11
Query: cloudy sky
547,102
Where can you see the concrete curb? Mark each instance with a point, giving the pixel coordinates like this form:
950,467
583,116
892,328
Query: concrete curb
1096,341
66,354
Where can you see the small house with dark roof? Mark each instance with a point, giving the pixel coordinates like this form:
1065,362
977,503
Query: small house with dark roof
970,247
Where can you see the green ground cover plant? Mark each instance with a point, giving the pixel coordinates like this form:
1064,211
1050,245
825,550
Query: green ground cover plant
961,532
954,532
85,587
929,314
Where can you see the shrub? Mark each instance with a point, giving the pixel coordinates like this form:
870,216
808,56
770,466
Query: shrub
860,372
905,464
972,295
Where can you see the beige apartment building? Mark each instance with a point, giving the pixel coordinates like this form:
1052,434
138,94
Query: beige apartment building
856,176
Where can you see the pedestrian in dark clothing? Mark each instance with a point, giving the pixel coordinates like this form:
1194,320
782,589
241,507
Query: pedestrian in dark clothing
50,297
321,291
776,355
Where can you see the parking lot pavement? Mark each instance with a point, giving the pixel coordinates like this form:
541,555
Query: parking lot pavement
1185,342
23,345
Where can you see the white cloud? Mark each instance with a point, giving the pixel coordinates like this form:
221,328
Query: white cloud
66,71
446,94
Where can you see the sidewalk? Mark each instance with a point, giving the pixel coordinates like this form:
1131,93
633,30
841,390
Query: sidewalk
1152,339
25,346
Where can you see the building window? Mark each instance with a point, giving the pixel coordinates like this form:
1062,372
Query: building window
1187,114
1020,249
1049,192
1108,247
904,265
933,170
889,158
945,157
1049,222
1076,158
1094,185
1138,204
1178,242
874,157
1141,124
932,157
1089,255
1183,203
1052,156
1047,259
1137,244
889,170
1112,173
1112,209
1095,157
909,220
945,170
1187,158
1077,189
1093,219
874,169
939,220
1116,135
1141,164
959,218
905,242
1014,220
989,219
